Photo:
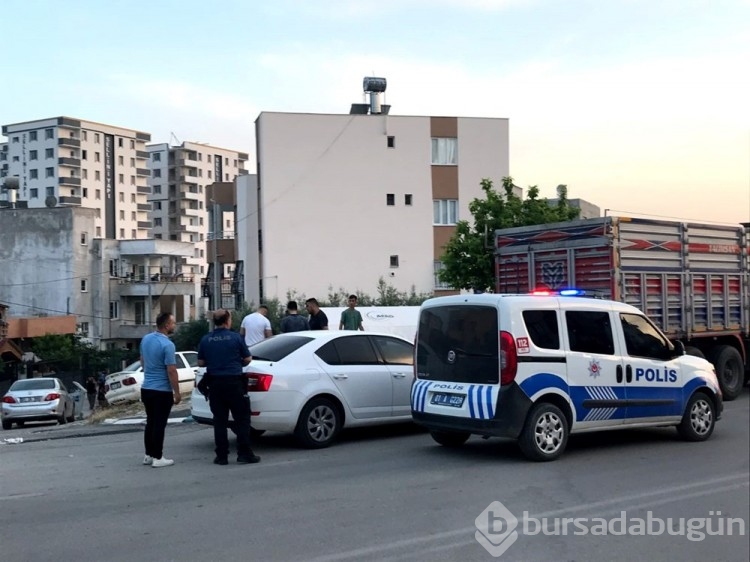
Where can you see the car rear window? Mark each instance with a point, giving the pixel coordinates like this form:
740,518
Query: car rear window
33,384
459,344
275,349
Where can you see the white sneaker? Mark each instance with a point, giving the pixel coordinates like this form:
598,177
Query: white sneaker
147,459
159,463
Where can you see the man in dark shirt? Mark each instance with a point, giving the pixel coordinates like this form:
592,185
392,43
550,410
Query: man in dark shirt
224,353
318,319
293,322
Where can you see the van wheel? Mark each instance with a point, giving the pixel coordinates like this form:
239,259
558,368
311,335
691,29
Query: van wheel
699,418
545,433
7,424
318,424
694,351
729,370
450,438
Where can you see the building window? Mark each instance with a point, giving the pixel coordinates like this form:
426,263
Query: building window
122,233
97,157
226,161
84,285
157,221
132,144
121,197
49,134
132,197
14,140
445,151
97,175
122,215
157,189
157,236
34,192
120,160
83,329
98,231
32,136
157,205
390,199
96,138
119,142
121,178
391,142
98,213
394,261
50,191
33,155
445,211
407,199
132,180
49,152
209,174
132,162
84,238
437,267
98,194
85,192
49,172
84,135
156,173
114,309
133,234
156,156
33,174
133,216
85,174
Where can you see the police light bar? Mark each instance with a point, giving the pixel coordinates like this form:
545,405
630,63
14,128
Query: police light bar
561,292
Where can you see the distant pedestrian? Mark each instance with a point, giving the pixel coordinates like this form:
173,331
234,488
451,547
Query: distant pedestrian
223,353
293,322
160,389
256,327
351,319
91,392
318,319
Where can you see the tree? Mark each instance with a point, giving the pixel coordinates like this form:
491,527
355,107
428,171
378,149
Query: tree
469,258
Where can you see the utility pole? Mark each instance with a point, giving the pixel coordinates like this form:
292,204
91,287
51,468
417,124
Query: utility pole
217,300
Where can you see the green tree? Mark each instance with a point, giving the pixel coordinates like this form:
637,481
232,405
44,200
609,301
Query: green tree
469,258
188,335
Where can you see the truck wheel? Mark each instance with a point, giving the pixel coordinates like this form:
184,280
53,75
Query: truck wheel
545,433
699,418
450,438
694,351
730,370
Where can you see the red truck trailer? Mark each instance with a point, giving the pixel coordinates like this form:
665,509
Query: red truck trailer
692,280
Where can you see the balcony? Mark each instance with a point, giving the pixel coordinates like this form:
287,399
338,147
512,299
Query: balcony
68,123
141,154
73,201
62,180
143,189
69,142
143,172
162,285
131,331
144,207
144,224
76,162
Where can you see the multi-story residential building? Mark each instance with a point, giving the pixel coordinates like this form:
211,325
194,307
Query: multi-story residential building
115,288
343,200
70,162
179,176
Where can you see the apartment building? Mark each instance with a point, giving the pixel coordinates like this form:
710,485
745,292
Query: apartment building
178,181
342,200
66,162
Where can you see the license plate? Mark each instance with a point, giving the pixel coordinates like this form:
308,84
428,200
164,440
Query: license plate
28,399
455,400
115,385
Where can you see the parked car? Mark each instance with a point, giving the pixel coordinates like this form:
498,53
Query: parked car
37,399
125,386
78,393
315,383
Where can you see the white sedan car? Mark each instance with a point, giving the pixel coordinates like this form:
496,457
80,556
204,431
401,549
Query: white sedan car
125,386
314,383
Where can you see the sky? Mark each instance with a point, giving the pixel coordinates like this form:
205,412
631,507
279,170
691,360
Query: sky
641,107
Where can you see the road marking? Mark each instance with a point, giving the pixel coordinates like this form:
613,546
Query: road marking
21,496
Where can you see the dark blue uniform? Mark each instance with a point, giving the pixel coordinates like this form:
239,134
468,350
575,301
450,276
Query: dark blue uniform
223,351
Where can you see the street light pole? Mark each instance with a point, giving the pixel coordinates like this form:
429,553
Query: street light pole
217,278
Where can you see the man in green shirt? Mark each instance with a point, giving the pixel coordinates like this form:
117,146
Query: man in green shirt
351,319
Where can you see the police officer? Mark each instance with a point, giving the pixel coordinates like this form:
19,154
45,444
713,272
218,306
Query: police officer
224,353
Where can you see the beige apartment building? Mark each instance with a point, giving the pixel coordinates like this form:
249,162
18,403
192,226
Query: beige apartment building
66,162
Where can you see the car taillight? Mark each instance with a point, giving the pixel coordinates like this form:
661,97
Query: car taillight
258,382
128,381
508,358
51,396
9,400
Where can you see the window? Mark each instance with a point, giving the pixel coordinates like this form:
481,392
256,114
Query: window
437,267
122,197
98,194
96,138
407,199
394,352
84,135
132,162
590,332
122,215
445,151
120,160
121,178
16,159
394,261
84,285
157,188
84,238
208,173
114,309
132,144
83,329
156,173
157,205
50,191
34,192
122,233
98,231
390,199
98,212
97,157
226,161
119,142
14,139
132,197
391,142
445,211
33,174
33,155
642,339
156,156
85,174
542,328
157,221
49,172
132,180
132,215
32,136
133,234
49,134
49,152
85,192
97,175
84,155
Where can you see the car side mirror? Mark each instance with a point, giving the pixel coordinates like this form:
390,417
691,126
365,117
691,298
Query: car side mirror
679,348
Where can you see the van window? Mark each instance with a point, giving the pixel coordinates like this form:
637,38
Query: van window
542,328
459,344
590,332
642,339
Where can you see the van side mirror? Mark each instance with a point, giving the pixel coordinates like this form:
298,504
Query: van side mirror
679,348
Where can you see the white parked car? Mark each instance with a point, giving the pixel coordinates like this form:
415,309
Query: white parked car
125,386
38,399
314,383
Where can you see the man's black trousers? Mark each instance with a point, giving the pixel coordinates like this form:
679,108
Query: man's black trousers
229,394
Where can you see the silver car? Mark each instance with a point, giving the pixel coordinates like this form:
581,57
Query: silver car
37,400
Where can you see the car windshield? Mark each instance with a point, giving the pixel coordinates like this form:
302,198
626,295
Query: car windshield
33,384
275,349
132,367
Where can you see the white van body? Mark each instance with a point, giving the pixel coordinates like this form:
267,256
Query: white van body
396,320
537,368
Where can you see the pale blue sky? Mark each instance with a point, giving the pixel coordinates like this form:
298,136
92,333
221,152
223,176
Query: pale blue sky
639,106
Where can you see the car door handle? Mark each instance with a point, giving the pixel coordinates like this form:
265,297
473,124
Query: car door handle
619,373
339,377
628,374
399,375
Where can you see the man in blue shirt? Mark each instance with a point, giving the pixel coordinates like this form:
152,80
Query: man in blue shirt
160,388
224,354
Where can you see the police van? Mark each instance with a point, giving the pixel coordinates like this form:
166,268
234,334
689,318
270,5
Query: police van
539,367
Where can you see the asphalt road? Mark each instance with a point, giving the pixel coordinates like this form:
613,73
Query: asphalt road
386,494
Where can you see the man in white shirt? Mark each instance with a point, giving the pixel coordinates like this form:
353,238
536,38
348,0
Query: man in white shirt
255,327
